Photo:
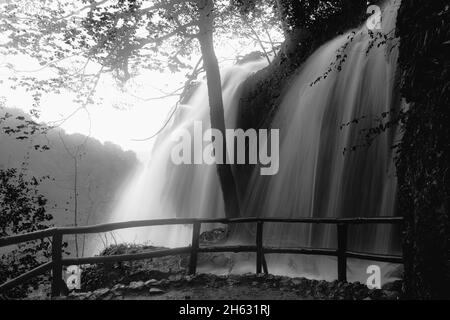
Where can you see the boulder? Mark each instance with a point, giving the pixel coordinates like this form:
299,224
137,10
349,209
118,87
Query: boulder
155,291
151,282
136,285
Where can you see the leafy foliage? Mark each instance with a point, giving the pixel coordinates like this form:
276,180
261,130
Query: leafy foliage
22,128
76,42
101,170
318,15
22,209
308,25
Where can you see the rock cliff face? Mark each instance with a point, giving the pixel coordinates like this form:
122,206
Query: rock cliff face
263,91
424,153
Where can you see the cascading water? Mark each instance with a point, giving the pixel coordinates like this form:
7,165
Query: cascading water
315,178
164,190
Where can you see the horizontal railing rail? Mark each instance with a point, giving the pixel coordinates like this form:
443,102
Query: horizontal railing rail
36,235
26,276
57,262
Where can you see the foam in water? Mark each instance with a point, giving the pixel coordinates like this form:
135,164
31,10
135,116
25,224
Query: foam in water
315,179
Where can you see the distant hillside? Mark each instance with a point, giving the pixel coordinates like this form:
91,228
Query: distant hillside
102,168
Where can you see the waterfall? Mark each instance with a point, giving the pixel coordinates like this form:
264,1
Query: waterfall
315,178
161,189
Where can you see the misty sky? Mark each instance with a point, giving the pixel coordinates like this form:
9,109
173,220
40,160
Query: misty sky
123,115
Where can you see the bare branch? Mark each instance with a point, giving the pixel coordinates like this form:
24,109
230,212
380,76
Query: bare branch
175,108
180,30
167,5
167,95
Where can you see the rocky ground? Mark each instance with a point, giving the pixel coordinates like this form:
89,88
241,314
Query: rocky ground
238,287
165,278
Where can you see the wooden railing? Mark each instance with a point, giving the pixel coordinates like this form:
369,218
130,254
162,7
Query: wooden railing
57,262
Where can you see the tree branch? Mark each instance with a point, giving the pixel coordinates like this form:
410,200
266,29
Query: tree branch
143,42
89,6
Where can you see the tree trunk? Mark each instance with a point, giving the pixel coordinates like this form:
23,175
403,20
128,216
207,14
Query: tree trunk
75,194
227,181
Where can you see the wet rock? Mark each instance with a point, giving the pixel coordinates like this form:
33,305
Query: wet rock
79,295
163,282
390,295
109,296
361,294
101,292
231,281
97,294
296,282
261,275
151,282
323,285
136,285
284,282
376,294
119,287
393,286
175,278
213,236
155,291
204,278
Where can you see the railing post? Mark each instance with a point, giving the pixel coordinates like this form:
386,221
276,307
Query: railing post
264,265
194,248
57,264
342,251
259,246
